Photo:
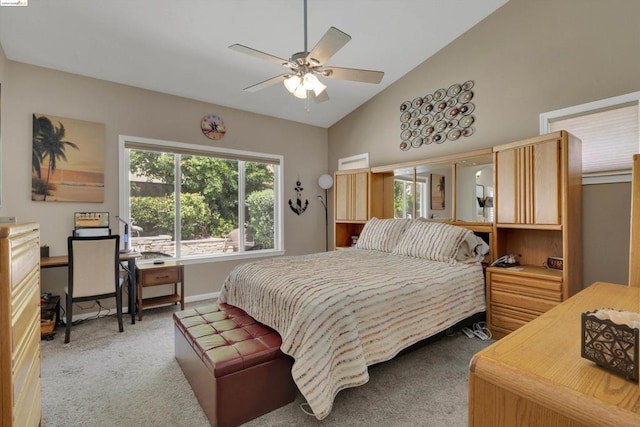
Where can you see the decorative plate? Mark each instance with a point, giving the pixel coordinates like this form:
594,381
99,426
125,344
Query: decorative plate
451,102
405,135
439,94
467,85
405,106
439,116
426,108
417,142
404,146
468,131
454,90
213,127
465,97
404,126
438,138
468,108
466,121
417,102
415,114
453,123
426,140
451,113
404,117
428,98
454,134
441,106
426,120
441,125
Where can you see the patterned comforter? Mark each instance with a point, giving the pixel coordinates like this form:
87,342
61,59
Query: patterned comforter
341,311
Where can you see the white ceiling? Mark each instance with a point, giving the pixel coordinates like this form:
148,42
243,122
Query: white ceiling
180,47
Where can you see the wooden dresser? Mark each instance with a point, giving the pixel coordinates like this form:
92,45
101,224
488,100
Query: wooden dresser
20,325
535,376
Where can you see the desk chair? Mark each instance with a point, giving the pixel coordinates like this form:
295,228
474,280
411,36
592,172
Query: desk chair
94,273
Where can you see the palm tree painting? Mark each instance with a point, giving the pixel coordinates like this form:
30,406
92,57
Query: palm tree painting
67,160
437,192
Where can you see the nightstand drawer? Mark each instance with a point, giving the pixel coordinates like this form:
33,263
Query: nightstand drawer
510,319
544,286
540,305
159,277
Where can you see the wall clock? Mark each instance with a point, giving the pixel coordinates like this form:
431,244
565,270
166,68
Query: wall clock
213,127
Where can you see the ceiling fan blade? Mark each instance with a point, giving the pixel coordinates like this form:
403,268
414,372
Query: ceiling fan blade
366,76
259,54
273,80
332,41
324,96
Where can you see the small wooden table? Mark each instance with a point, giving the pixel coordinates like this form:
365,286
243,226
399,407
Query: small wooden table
168,273
535,376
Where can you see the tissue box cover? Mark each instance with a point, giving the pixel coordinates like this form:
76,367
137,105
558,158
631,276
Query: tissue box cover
611,346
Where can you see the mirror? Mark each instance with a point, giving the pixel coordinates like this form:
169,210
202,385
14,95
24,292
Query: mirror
404,193
458,187
474,190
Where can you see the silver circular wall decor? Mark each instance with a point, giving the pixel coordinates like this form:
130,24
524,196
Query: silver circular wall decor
445,114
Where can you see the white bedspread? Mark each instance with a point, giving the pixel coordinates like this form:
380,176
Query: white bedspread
341,311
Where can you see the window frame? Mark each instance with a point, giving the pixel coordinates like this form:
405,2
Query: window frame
239,155
593,107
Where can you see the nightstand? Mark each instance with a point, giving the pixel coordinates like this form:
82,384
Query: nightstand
169,273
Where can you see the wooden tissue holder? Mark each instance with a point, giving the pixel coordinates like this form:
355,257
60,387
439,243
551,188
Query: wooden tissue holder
610,345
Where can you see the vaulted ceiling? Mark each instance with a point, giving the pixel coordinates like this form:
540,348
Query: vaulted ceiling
181,47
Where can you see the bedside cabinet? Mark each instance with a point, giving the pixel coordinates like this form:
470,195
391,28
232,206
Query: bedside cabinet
169,273
517,295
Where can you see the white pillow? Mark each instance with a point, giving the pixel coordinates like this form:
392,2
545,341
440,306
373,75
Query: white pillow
432,240
382,234
472,249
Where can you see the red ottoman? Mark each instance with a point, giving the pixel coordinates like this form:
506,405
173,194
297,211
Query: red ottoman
233,363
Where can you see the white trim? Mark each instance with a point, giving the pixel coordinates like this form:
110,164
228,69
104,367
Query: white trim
547,117
344,162
611,178
202,297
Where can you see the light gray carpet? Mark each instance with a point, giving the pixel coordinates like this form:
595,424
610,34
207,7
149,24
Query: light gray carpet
104,378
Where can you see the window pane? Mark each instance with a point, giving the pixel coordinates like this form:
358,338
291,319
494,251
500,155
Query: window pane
208,205
193,203
152,201
259,206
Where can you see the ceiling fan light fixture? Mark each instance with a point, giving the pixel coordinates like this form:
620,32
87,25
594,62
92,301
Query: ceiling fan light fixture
292,83
319,88
300,92
310,81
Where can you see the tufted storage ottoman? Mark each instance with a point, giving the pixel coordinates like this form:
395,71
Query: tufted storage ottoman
233,363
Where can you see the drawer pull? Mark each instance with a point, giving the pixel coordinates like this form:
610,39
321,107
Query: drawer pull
162,277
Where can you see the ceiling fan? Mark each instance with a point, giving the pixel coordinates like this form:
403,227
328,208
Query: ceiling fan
305,67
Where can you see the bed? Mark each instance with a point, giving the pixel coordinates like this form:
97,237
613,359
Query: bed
339,312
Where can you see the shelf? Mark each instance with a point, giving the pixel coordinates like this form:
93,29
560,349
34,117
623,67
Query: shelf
161,300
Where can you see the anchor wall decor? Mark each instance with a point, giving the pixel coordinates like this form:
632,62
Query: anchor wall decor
298,208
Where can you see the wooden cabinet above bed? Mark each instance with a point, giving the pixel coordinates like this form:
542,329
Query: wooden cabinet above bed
358,196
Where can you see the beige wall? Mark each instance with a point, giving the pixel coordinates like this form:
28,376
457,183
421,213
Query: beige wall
136,112
526,58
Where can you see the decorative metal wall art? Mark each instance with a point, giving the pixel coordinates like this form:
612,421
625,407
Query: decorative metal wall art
299,207
443,115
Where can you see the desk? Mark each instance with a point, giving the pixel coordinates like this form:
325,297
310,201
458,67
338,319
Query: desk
535,376
128,257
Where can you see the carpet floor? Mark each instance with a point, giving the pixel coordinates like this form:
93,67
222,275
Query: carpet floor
106,378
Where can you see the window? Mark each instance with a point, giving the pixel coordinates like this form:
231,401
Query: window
189,201
609,133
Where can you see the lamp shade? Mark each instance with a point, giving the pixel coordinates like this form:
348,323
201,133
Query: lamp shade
300,92
325,181
292,83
